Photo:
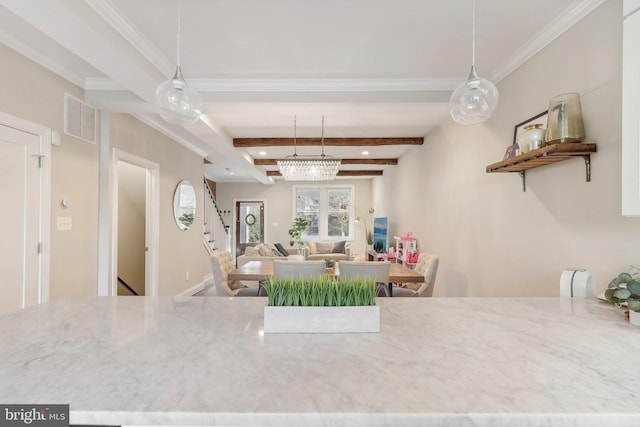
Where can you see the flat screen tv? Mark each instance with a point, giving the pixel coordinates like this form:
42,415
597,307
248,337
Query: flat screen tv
380,234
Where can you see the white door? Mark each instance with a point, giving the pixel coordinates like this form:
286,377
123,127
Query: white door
20,221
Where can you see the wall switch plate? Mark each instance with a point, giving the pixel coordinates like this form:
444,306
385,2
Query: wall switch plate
64,223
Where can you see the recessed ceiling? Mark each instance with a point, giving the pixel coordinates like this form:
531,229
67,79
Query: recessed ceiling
373,68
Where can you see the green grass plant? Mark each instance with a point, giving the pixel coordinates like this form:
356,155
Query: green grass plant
322,291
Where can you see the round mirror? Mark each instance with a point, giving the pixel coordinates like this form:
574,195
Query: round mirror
184,205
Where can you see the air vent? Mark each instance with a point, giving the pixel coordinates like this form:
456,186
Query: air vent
80,119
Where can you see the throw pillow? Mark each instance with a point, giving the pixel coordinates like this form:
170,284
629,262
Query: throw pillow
281,249
252,251
312,247
324,248
264,250
338,247
273,249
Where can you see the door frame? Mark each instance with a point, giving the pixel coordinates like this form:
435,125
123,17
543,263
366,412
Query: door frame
152,220
44,225
234,219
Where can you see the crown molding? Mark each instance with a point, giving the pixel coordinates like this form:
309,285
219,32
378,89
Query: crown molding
576,12
298,85
41,59
112,16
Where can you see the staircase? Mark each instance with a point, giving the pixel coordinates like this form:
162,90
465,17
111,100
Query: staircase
216,235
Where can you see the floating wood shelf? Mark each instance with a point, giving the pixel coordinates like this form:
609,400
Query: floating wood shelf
544,156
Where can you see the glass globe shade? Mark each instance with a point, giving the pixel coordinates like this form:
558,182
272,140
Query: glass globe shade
176,102
473,101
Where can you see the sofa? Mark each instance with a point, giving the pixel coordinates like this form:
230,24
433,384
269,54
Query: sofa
267,251
337,251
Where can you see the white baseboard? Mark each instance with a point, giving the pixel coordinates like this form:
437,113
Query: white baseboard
206,281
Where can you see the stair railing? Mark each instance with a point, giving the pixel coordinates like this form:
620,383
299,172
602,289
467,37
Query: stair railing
216,233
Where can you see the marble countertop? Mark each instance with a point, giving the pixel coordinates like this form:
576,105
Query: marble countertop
437,361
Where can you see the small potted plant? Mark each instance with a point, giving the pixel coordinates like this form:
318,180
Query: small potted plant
321,305
329,263
625,288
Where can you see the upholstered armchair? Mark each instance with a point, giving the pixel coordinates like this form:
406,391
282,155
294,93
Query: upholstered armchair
222,264
427,265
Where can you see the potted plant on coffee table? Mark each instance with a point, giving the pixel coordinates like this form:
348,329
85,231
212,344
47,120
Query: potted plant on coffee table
321,305
330,263
625,289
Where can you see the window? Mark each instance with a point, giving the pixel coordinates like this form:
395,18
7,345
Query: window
327,209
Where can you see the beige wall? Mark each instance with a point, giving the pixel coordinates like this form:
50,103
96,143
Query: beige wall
179,251
33,93
279,205
494,239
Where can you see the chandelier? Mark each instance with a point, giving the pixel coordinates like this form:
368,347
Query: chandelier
308,168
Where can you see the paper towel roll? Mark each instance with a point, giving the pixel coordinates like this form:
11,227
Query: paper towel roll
577,283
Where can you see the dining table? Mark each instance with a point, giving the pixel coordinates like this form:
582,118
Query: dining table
262,270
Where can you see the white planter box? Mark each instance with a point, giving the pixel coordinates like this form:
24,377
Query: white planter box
321,319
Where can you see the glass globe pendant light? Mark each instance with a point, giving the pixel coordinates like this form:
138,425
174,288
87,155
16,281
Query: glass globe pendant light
176,101
474,100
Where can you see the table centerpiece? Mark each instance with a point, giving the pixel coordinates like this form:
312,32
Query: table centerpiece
321,305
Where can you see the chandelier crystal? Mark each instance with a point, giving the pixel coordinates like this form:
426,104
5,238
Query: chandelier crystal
314,169
308,168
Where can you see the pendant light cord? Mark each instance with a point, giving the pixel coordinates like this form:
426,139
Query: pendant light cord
179,28
322,138
295,136
473,31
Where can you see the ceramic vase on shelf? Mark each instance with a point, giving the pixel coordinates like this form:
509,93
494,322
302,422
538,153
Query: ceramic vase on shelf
564,123
532,138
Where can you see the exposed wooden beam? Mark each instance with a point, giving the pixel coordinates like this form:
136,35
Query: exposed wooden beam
340,173
272,162
338,142
359,173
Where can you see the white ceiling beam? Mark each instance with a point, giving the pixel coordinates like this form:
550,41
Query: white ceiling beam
79,29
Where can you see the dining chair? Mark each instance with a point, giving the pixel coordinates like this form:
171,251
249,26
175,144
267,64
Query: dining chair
298,269
428,266
221,264
377,270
